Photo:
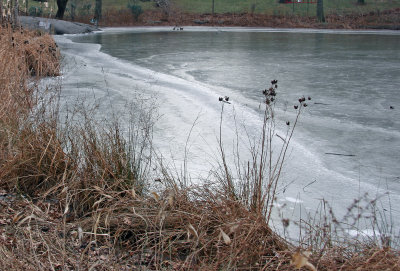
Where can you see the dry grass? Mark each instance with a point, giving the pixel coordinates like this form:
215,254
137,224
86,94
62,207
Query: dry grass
79,197
23,55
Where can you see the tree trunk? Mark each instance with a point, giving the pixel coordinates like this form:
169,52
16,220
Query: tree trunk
62,5
97,11
14,13
320,11
16,8
2,12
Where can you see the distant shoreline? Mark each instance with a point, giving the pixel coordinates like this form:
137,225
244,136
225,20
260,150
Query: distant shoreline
54,26
371,21
191,28
384,20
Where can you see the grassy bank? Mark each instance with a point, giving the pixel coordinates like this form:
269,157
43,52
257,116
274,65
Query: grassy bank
270,7
78,195
268,13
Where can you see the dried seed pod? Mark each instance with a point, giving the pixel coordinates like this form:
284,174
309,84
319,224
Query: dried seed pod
285,222
296,106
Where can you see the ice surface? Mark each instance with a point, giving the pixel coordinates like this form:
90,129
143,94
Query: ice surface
352,77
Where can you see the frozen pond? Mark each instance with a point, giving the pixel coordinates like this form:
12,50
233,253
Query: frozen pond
353,78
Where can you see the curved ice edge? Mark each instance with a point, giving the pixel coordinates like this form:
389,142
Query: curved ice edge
207,91
81,34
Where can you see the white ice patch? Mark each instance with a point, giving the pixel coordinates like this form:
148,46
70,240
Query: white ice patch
293,200
363,233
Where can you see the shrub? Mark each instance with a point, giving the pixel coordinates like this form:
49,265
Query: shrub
136,10
35,11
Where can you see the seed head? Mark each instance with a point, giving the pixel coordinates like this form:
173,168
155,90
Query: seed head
285,222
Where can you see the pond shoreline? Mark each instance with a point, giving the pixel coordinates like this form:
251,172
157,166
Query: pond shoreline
54,26
385,20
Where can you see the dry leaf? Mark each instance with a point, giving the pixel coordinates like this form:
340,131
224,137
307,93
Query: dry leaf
233,228
65,189
300,259
192,230
66,210
133,192
171,200
80,234
156,196
225,237
74,234
30,217
97,202
17,217
97,188
107,196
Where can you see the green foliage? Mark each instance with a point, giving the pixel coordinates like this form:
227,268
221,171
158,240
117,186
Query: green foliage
86,8
136,9
35,11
